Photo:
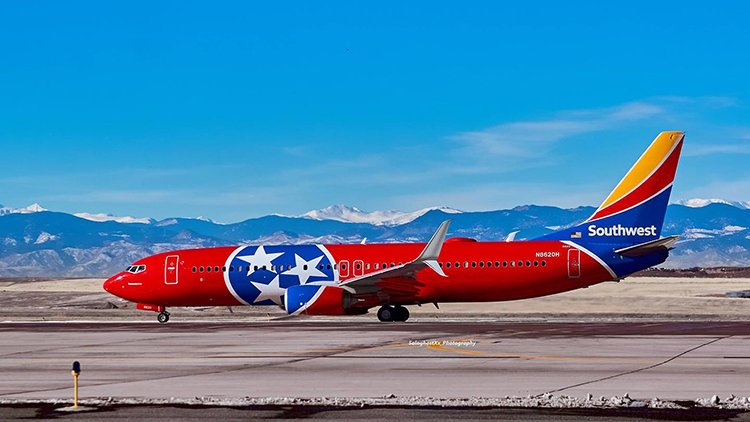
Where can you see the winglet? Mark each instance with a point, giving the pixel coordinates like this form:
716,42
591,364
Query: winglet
511,236
435,267
432,250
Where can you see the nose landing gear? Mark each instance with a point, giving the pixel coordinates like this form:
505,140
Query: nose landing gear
390,313
163,316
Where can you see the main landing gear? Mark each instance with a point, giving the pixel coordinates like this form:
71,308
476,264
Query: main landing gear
163,316
389,313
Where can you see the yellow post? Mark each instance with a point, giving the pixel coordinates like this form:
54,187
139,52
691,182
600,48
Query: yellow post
76,371
75,390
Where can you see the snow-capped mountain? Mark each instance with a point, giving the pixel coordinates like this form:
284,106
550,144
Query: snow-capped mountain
31,208
348,214
109,217
700,202
34,243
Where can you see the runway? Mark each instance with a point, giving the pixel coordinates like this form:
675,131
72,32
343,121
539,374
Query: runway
328,358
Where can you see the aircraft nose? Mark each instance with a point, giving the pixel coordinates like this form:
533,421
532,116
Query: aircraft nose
111,283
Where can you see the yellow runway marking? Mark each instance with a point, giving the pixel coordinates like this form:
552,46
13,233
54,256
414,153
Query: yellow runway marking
507,355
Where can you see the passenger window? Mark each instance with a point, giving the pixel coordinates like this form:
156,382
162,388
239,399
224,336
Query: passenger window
528,263
536,263
458,264
392,265
231,268
520,263
195,269
327,267
359,266
400,264
377,265
497,263
466,264
223,269
264,268
255,268
208,269
489,263
447,264
239,268
216,269
512,263
367,266
505,264
273,267
481,264
440,264
544,263
343,267
201,269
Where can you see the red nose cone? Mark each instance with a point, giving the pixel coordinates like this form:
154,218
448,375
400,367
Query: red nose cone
110,283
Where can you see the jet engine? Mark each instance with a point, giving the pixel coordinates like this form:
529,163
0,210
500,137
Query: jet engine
311,299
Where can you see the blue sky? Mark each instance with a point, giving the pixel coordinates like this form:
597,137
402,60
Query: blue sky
238,109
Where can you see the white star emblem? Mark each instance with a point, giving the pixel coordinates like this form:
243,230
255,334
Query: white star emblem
271,291
304,274
259,259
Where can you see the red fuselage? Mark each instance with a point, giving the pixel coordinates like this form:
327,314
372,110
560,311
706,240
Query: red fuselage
476,272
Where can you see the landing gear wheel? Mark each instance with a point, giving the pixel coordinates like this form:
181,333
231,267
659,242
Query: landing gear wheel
402,314
386,314
163,317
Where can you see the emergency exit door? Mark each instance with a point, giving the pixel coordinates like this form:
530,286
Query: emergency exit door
574,263
171,269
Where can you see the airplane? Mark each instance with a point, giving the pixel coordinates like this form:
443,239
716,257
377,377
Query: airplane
622,236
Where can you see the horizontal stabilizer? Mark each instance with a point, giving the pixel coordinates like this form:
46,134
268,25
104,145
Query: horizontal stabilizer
657,245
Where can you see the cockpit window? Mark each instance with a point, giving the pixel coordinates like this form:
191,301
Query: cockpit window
135,269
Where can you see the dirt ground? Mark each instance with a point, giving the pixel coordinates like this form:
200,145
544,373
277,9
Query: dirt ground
632,298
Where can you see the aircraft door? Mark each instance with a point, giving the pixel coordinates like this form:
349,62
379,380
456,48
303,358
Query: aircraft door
359,268
574,263
343,269
171,269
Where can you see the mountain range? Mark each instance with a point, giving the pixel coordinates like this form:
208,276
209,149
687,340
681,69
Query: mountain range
38,242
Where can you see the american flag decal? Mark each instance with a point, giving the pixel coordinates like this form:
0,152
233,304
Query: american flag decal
575,235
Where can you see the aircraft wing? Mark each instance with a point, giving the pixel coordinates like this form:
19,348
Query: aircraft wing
427,259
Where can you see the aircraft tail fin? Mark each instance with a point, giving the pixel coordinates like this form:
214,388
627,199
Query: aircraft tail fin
633,213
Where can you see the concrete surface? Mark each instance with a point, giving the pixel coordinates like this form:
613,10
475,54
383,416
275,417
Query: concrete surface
318,358
328,413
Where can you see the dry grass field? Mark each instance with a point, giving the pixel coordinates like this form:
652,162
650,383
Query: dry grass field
632,298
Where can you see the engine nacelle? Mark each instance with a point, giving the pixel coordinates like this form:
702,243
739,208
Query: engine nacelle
311,299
